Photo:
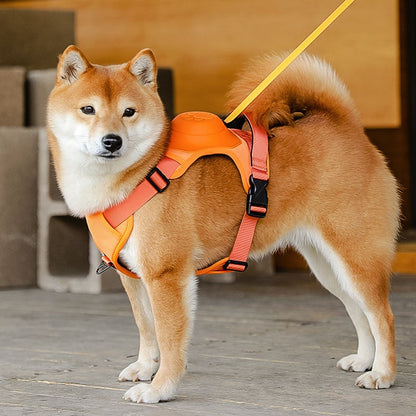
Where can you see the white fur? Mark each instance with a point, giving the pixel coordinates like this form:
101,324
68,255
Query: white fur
333,274
72,67
87,180
147,393
130,254
305,238
144,69
148,358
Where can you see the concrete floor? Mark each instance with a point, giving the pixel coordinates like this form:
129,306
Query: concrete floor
260,348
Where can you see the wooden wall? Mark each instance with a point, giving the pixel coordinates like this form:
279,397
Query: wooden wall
206,42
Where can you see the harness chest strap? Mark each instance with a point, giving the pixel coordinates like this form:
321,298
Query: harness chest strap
112,228
156,182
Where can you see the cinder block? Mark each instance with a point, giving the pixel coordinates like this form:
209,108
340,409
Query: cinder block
67,256
34,38
18,195
12,102
40,83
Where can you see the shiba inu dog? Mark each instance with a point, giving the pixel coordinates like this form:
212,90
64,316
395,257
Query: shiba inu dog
331,196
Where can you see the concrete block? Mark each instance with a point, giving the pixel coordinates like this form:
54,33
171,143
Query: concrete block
67,256
34,38
12,102
40,83
18,195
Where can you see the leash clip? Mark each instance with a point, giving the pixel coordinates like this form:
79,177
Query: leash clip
104,265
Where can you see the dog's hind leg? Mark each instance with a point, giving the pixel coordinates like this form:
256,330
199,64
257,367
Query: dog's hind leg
363,359
173,300
148,359
366,300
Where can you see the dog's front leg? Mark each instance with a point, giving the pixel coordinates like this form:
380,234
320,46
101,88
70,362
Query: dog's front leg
173,300
148,360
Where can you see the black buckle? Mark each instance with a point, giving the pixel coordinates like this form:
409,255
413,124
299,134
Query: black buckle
157,171
241,265
257,199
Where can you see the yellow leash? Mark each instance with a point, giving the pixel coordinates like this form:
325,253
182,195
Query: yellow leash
286,62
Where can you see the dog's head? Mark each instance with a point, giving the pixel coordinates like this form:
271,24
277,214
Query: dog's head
105,115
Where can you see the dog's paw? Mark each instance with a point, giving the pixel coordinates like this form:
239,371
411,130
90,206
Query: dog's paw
354,363
146,393
139,371
374,380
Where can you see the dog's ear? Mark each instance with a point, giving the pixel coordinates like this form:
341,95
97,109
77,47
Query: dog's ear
72,64
143,67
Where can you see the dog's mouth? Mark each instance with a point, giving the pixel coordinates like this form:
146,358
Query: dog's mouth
109,155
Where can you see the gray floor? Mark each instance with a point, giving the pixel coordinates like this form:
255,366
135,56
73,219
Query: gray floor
259,348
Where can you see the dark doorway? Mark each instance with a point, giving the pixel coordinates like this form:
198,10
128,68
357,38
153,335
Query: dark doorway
408,20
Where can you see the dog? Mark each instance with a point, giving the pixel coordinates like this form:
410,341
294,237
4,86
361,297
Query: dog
331,197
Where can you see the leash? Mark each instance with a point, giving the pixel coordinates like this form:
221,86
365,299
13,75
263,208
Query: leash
286,62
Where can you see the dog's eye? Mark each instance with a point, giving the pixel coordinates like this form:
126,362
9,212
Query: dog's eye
88,109
129,112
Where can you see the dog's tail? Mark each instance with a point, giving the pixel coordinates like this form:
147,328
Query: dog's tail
308,86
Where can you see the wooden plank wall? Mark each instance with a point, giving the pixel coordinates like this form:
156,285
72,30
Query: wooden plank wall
206,41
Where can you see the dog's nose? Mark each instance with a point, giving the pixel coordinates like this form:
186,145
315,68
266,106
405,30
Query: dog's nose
112,142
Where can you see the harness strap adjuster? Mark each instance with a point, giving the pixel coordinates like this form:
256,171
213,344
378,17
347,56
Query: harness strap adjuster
257,200
235,265
158,179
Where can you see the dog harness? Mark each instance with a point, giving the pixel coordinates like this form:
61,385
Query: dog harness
193,135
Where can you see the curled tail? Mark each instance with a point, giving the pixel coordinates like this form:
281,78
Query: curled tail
308,86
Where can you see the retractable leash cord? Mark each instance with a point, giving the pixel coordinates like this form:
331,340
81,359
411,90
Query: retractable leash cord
111,229
286,62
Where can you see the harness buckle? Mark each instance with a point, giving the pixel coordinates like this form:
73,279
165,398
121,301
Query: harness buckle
235,265
257,199
158,180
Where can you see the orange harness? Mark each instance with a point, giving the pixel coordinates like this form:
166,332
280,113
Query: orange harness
193,135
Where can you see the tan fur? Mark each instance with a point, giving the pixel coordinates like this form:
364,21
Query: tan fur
325,175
